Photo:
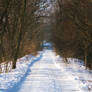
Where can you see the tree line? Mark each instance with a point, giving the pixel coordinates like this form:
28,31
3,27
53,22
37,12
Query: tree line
72,34
19,29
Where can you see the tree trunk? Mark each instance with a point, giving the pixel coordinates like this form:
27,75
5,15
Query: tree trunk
14,64
21,24
85,57
17,51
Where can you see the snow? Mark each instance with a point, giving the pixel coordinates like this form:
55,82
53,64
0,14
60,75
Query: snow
76,69
9,80
47,73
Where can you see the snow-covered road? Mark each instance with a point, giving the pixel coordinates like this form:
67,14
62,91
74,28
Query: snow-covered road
46,76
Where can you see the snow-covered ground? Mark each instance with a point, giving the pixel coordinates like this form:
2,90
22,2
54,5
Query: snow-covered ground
47,73
15,77
76,69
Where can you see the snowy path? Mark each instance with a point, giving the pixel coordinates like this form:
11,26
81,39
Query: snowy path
45,76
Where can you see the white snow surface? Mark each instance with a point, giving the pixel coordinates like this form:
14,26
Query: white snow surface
47,73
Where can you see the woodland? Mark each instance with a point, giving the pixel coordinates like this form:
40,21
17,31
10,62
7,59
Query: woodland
25,24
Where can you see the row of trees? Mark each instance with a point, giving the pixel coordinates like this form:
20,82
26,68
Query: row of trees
73,29
19,30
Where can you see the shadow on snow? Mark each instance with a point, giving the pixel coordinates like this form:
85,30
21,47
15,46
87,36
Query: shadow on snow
17,85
